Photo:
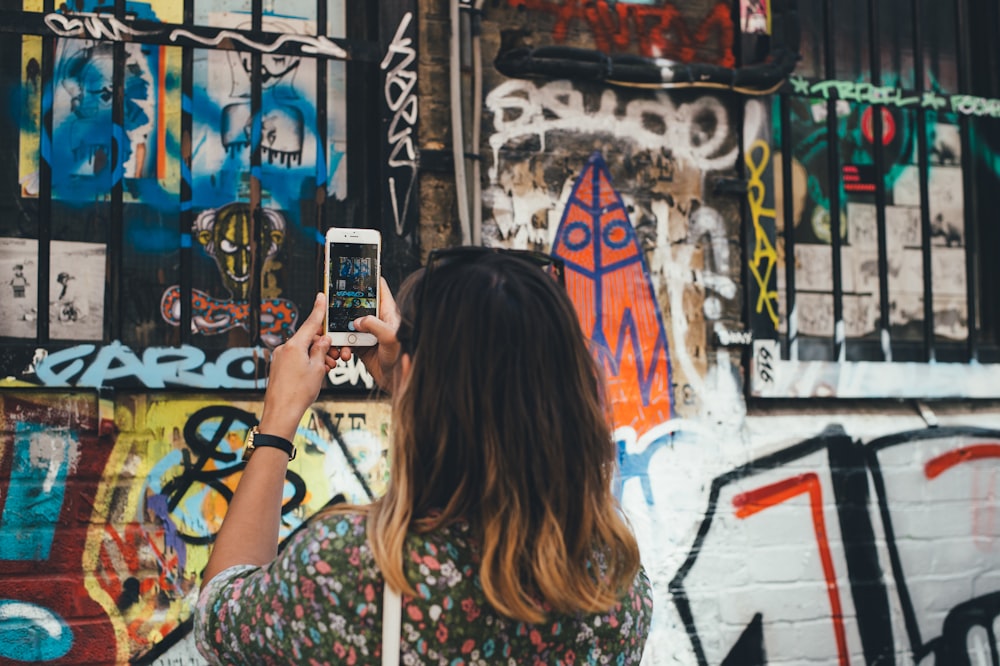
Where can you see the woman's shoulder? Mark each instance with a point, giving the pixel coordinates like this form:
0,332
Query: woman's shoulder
330,533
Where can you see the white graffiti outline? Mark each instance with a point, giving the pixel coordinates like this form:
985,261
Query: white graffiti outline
38,616
319,45
522,109
404,107
97,26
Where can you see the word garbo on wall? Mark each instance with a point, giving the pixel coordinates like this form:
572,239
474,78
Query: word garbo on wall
116,364
867,93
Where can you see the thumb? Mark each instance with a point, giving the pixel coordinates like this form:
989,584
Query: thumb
319,349
313,325
369,324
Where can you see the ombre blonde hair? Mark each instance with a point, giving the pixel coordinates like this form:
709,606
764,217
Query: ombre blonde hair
501,423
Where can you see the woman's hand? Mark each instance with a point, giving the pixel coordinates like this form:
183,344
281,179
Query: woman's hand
249,533
298,368
380,359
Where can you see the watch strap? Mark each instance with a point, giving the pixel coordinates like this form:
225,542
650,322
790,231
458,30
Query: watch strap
257,439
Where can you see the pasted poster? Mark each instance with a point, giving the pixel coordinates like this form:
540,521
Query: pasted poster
755,17
18,287
76,290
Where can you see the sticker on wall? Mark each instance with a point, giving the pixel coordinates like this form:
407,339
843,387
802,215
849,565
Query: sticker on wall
608,280
755,17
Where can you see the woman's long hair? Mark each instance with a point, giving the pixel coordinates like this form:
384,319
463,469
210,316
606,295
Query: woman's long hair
501,423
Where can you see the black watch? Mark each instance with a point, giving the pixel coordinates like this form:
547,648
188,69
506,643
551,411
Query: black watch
255,438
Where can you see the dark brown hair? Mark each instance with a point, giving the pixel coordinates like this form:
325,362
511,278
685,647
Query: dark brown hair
501,423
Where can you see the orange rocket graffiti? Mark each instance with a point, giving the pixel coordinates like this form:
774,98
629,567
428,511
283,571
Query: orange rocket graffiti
607,278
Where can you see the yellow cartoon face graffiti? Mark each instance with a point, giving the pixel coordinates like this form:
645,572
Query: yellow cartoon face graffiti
226,235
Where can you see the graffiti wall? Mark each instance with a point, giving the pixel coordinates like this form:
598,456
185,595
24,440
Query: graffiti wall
110,508
170,182
773,534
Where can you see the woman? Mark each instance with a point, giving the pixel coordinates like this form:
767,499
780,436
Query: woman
499,525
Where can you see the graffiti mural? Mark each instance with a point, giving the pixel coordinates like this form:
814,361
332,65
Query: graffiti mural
764,258
199,154
655,149
607,278
226,234
848,184
656,29
872,576
150,498
118,366
399,64
52,455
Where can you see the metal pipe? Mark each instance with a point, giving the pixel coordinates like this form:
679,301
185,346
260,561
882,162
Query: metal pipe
457,131
477,123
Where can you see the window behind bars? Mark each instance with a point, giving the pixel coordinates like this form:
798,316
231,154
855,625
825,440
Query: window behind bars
887,181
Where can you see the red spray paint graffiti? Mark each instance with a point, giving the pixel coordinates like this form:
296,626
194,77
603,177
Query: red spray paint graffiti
607,278
753,501
658,31
50,469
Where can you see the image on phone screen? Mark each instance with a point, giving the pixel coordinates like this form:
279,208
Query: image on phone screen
353,283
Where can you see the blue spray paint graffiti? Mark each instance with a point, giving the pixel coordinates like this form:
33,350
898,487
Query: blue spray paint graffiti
31,633
42,459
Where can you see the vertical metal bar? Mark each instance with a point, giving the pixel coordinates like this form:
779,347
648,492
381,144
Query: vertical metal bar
186,217
119,147
970,197
923,166
897,50
322,136
257,244
788,212
994,55
878,157
833,185
857,55
45,184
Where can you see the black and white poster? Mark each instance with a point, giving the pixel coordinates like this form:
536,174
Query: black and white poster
18,287
76,290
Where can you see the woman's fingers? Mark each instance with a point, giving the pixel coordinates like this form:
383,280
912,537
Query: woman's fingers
383,331
387,310
313,325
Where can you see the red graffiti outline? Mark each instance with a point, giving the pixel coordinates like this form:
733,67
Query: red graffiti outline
937,466
660,31
752,501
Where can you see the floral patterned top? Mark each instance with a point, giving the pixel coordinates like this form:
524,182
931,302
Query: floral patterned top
319,602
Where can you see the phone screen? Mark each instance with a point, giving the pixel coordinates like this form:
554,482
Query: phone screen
353,284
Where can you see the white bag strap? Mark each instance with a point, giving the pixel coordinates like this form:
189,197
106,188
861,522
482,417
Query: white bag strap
392,626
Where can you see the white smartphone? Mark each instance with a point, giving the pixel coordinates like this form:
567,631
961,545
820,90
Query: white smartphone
353,257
